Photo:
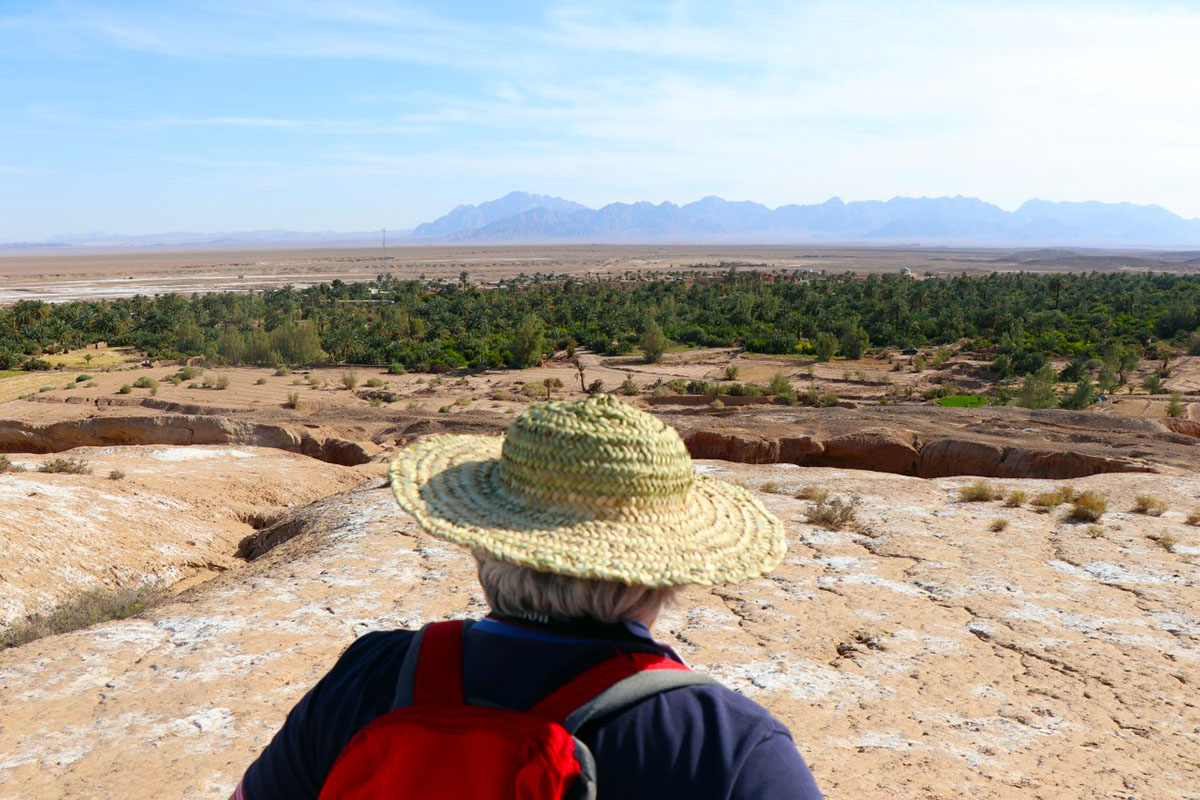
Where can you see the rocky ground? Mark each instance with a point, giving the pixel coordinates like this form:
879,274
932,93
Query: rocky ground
916,654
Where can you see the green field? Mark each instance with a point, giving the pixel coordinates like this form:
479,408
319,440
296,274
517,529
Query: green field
962,401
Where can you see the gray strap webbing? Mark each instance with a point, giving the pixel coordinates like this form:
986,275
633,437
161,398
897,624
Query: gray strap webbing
408,667
631,690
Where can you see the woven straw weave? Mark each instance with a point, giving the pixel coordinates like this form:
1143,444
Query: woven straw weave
592,489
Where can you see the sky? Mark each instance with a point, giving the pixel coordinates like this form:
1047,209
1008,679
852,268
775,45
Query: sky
127,116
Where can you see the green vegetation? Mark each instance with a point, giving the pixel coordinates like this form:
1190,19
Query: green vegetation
1046,501
1175,405
998,525
350,379
145,382
1113,319
6,465
87,609
1015,499
653,342
125,389
962,401
293,400
834,514
69,466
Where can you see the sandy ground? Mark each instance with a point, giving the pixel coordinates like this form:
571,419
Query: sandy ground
71,275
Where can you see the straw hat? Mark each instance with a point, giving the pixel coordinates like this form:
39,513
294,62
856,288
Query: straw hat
591,489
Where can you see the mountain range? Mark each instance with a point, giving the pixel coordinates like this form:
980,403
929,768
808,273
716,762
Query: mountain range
522,217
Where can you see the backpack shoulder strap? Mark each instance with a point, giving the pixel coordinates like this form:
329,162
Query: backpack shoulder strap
432,669
613,685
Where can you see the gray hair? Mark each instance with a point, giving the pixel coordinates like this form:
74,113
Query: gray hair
514,591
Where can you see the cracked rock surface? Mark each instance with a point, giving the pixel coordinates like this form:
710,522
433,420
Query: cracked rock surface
915,653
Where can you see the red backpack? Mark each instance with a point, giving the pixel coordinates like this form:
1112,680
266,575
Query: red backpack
436,743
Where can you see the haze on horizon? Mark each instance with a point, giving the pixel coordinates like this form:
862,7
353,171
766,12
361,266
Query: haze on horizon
139,117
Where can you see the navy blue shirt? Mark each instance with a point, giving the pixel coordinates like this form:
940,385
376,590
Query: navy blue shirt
697,742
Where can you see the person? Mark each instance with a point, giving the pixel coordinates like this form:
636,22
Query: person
584,520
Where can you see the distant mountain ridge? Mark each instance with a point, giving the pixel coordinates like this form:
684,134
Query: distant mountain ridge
521,217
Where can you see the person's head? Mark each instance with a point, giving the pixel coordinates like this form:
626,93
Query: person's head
590,508
514,591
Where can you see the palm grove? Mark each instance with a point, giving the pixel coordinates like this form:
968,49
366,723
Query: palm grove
1102,324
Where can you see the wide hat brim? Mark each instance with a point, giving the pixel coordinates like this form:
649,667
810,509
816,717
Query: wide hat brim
722,533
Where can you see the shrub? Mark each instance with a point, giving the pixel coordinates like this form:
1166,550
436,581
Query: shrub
375,383
827,400
187,373
1149,505
1067,492
1046,501
222,382
396,368
193,385
998,525
116,475
46,389
260,381
313,381
779,385
208,382
1095,531
1164,540
1088,506
82,378
813,493
87,609
6,465
376,402
1175,405
293,400
350,379
463,400
653,342
731,372
282,370
145,382
532,391
771,487
444,410
1153,384
1015,499
125,389
597,386
69,466
832,514
628,387
978,492
1192,518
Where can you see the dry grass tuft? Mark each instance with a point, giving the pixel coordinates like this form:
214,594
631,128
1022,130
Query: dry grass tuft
1015,499
1192,518
68,466
978,492
1088,506
1163,540
1149,505
812,493
1095,531
771,487
1046,501
998,525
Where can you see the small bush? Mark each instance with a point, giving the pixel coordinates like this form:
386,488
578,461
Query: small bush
193,385
832,514
46,389
1192,518
1046,501
116,475
208,382
69,466
125,389
82,378
813,493
1067,492
260,381
376,402
771,487
628,387
396,368
314,381
533,391
145,382
1149,505
187,373
463,400
731,372
998,525
350,379
222,382
1175,405
827,400
444,410
1095,531
978,492
375,383
1088,506
87,609
1015,499
6,465
293,400
597,386
282,370
505,396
